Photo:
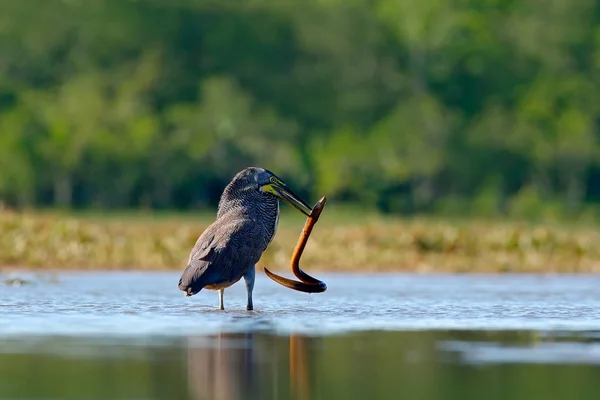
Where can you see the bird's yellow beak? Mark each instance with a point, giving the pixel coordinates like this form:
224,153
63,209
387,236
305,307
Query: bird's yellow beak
279,189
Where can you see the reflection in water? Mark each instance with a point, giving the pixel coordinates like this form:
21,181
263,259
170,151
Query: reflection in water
228,366
221,367
425,365
299,366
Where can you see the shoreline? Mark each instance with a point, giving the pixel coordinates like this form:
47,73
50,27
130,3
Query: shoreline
338,244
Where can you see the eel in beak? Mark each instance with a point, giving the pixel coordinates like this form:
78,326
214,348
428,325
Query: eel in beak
308,284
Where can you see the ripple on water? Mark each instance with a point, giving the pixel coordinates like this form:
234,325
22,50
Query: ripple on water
104,303
541,353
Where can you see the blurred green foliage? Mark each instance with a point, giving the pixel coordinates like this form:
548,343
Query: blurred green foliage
472,107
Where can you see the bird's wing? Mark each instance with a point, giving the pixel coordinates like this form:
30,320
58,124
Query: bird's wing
223,252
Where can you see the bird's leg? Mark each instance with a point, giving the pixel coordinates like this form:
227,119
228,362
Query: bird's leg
221,291
249,278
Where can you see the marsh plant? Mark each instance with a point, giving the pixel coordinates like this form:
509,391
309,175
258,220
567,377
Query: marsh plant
55,241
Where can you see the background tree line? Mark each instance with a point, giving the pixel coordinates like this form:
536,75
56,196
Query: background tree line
484,106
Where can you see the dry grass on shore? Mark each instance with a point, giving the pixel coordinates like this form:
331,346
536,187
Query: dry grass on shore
339,243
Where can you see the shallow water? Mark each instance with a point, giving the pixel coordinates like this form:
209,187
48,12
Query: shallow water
134,335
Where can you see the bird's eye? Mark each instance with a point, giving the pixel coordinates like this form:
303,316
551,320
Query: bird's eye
273,179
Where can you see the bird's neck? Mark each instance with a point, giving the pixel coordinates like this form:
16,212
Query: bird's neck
265,214
255,206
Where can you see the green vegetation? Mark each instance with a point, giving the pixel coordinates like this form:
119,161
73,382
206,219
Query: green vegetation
368,243
465,107
478,109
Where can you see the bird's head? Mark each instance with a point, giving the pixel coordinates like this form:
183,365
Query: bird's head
267,183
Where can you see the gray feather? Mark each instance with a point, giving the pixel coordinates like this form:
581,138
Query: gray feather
245,225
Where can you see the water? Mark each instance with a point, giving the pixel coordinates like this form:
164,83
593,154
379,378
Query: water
133,335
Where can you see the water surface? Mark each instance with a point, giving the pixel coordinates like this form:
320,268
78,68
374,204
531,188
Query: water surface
134,335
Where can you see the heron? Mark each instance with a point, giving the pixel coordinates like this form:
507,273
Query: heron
246,222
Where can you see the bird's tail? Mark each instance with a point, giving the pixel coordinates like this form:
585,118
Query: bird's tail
189,281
